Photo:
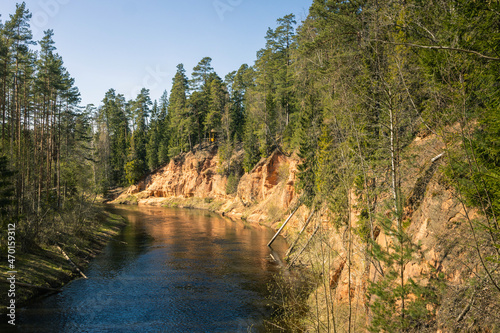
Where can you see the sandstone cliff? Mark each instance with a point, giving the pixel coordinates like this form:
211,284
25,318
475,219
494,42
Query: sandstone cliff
263,195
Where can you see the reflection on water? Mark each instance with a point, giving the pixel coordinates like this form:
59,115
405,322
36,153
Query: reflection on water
171,270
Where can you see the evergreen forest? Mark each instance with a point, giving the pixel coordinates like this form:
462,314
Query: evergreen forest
347,90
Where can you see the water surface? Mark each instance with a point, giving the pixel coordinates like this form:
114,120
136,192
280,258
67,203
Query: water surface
171,270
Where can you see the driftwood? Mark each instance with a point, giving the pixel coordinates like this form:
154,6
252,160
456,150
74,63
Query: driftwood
283,226
72,263
275,256
466,309
437,157
300,234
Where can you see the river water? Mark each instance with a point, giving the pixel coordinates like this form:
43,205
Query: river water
170,270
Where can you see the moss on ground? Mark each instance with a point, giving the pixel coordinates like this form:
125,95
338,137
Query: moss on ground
129,200
46,266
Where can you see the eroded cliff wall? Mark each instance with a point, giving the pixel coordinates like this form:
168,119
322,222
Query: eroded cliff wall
263,195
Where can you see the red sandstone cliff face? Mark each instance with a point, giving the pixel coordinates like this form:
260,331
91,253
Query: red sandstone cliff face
189,175
266,192
263,194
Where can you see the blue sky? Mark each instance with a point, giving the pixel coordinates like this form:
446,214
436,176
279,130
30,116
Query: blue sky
130,44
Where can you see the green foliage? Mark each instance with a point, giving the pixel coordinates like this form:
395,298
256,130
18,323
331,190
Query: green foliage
48,137
216,105
483,187
473,100
399,303
250,146
134,171
6,190
154,138
238,83
113,138
232,183
202,74
363,229
271,100
180,124
309,136
230,167
140,113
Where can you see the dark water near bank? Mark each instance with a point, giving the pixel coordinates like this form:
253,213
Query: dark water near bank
171,270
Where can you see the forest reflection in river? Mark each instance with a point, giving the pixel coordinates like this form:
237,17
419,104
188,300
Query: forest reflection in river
171,270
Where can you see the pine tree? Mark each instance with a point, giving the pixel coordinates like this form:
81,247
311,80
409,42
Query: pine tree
400,306
154,138
200,98
117,135
216,104
180,123
242,82
164,124
18,38
137,157
202,74
45,135
272,99
310,130
250,144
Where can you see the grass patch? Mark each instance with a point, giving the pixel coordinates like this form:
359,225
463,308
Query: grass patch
274,213
210,204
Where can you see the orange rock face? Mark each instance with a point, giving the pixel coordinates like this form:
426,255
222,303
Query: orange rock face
261,182
197,175
190,175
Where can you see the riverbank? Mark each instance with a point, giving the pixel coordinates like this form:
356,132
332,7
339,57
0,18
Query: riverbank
46,268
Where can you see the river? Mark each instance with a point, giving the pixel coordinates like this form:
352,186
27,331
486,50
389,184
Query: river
170,270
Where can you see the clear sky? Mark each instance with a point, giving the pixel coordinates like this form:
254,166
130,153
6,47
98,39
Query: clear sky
130,44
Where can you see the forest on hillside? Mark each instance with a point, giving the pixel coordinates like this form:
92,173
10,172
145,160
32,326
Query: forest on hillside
347,90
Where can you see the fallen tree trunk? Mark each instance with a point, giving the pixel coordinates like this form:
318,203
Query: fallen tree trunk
305,246
72,263
283,226
300,234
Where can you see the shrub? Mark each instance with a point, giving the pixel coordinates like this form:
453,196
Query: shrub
232,184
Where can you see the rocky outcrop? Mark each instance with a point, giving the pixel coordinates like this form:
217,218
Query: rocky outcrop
261,182
266,192
263,194
189,175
